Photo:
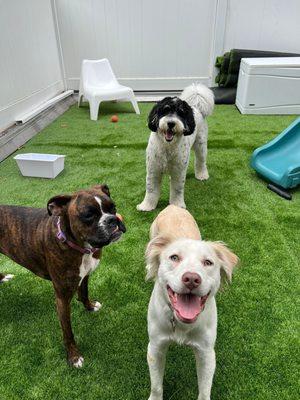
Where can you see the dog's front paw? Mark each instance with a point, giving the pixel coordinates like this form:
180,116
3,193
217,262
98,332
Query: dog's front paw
202,175
145,206
5,278
156,396
94,306
76,361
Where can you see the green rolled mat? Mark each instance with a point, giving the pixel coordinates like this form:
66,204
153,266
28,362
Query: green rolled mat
223,65
230,65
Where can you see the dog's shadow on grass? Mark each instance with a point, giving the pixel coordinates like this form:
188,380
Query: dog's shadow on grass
25,305
180,382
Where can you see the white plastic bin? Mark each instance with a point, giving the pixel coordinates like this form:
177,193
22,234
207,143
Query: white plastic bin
40,165
269,86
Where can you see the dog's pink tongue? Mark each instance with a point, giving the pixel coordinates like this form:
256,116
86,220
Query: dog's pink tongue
188,306
169,134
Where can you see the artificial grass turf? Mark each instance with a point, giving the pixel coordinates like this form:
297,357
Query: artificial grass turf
258,344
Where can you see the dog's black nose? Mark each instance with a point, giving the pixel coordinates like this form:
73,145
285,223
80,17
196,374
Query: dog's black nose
171,125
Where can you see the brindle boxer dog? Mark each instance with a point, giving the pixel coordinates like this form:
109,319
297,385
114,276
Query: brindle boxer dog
63,244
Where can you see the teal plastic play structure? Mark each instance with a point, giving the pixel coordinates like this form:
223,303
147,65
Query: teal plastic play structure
279,160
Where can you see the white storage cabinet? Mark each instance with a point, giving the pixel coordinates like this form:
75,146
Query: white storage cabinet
269,86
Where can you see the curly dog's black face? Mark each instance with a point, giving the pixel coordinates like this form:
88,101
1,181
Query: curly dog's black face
172,116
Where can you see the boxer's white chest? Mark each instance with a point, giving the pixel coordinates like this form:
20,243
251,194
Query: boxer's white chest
88,265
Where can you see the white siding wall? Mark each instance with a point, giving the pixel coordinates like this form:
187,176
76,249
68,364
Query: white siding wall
29,63
151,44
263,25
165,44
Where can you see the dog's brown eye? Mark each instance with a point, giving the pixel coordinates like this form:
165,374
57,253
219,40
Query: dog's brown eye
87,218
89,215
174,257
207,263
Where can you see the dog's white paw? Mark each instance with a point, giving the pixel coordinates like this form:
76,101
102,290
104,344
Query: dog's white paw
96,306
202,175
157,396
6,278
145,207
77,362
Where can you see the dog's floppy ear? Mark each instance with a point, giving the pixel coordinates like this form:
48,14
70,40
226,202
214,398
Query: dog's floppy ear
189,121
227,258
104,188
153,119
56,205
153,251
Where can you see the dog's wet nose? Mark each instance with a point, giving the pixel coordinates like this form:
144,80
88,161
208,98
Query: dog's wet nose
171,125
191,280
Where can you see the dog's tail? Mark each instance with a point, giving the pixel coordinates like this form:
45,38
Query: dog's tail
200,97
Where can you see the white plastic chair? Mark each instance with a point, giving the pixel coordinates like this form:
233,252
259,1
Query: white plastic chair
98,83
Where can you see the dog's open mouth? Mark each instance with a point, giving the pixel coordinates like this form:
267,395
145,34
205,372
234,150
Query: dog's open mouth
169,135
117,231
116,235
187,306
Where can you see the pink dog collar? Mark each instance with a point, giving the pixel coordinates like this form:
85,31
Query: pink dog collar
62,238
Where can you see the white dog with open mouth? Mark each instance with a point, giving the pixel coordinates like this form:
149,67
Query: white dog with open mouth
187,273
177,124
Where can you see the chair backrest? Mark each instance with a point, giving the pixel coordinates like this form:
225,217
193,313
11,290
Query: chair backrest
97,73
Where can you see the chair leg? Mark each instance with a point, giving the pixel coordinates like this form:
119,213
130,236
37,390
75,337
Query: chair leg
80,97
94,107
134,103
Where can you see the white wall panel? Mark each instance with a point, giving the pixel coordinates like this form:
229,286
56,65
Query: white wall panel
29,63
151,44
263,25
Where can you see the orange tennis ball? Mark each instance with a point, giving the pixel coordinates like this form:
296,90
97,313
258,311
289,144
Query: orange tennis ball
114,118
119,216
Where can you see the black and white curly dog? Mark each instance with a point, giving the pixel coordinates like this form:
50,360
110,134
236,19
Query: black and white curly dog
177,124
